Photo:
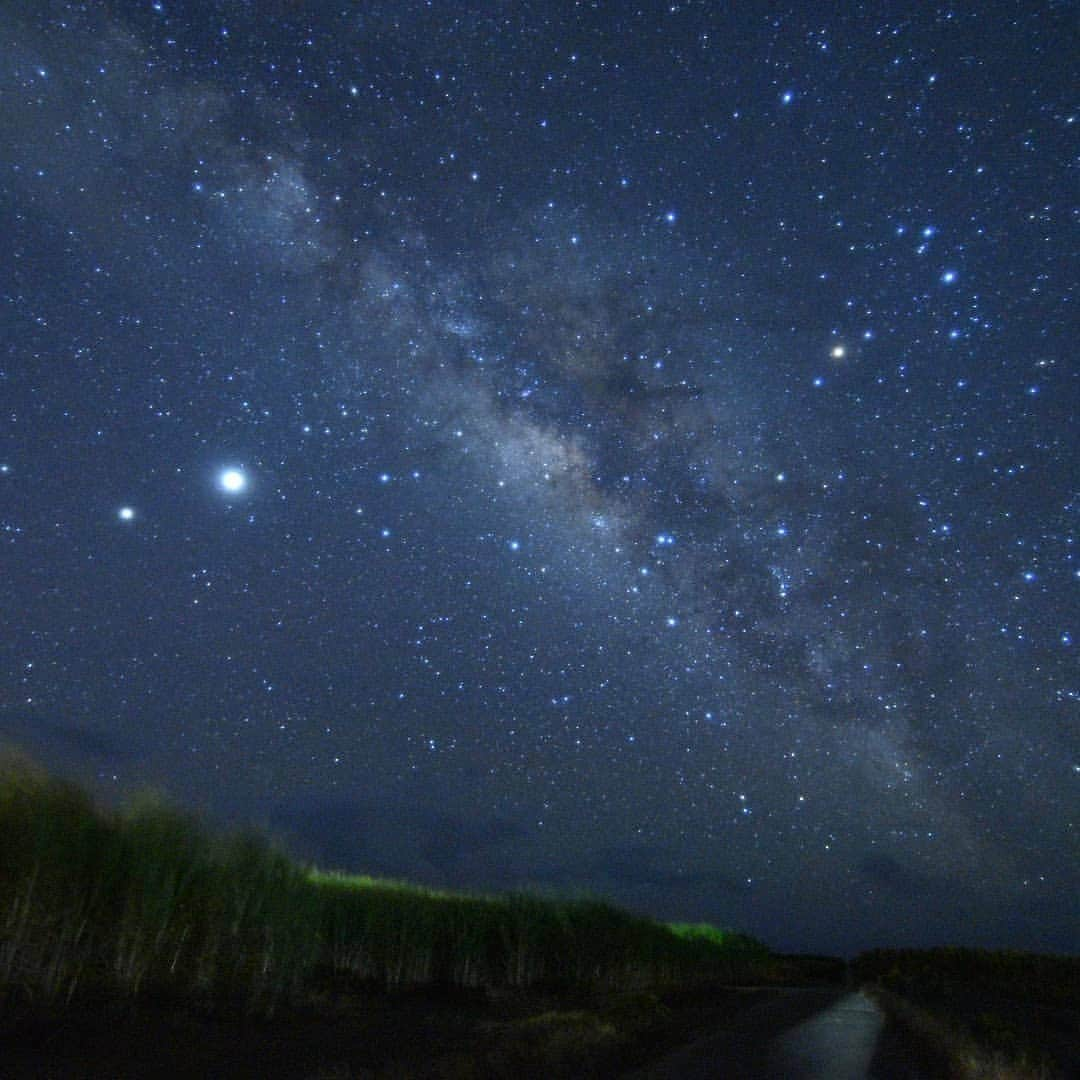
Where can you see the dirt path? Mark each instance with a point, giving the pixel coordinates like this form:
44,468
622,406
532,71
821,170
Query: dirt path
797,1035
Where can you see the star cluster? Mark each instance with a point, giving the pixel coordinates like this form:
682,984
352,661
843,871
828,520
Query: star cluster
559,445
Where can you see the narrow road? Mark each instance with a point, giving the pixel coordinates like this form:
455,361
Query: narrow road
796,1035
837,1044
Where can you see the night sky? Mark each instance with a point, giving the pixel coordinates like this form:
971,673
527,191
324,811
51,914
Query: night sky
591,447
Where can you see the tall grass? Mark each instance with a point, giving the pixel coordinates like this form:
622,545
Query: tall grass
146,901
394,935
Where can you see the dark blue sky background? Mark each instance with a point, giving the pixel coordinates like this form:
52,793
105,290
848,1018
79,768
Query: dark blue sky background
652,434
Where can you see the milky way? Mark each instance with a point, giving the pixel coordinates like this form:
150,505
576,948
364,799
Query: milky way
575,450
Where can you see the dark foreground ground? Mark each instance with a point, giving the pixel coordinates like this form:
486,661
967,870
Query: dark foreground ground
728,1032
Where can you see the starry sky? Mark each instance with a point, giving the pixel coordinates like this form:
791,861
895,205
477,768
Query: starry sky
584,446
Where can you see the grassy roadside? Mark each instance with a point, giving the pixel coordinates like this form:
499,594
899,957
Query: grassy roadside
975,1014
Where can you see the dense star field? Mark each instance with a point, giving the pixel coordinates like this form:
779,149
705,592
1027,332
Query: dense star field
578,446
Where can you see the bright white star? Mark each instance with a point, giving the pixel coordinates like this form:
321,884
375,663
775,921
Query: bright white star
232,480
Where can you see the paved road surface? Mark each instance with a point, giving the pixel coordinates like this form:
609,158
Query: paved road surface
796,1035
837,1044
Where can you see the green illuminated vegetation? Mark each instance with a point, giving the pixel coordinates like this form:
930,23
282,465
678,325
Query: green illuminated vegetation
728,940
146,902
